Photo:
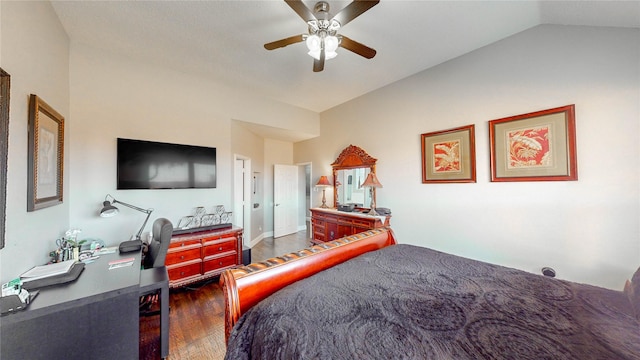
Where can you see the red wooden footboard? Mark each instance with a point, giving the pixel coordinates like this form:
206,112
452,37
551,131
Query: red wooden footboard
246,286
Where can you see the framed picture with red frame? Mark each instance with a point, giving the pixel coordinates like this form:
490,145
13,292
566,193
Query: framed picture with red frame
449,156
538,146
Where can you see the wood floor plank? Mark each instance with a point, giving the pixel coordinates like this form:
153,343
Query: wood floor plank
196,316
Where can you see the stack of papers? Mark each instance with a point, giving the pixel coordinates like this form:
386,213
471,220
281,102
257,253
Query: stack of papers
45,271
114,264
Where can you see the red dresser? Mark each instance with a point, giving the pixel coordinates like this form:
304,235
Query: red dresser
201,255
331,224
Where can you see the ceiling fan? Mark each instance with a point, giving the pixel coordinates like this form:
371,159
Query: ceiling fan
323,38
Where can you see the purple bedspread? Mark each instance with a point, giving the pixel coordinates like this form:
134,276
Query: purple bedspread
408,302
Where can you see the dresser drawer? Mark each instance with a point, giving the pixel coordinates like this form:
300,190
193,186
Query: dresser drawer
181,244
218,237
218,263
364,223
175,257
191,268
214,248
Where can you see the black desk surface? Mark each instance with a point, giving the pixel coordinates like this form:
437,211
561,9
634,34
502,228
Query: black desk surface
94,317
95,283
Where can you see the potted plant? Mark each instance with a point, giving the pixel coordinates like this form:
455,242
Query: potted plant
71,237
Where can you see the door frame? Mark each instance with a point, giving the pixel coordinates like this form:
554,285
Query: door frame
246,190
304,209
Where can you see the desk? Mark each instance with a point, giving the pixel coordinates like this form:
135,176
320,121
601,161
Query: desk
94,317
158,279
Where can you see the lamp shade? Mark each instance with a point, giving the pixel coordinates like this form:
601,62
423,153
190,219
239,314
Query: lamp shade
323,181
108,210
314,43
329,43
371,181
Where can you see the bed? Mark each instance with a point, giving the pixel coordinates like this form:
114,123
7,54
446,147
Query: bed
367,297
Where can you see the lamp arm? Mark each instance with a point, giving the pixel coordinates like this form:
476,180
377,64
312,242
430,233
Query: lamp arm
146,211
143,225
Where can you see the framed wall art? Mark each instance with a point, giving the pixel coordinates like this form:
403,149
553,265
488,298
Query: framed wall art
449,156
538,146
5,87
46,155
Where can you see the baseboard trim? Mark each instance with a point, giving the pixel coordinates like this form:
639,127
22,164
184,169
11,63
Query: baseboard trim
256,240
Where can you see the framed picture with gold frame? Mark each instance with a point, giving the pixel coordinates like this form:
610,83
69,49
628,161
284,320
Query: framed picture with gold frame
46,155
449,156
537,146
5,94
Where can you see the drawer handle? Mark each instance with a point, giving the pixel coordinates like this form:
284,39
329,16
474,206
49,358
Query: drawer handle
182,257
220,262
220,248
182,244
182,273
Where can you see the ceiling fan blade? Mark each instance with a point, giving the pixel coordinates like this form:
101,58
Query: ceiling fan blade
353,10
284,42
318,65
300,9
356,47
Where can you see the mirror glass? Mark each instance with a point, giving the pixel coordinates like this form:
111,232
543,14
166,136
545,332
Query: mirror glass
349,172
348,187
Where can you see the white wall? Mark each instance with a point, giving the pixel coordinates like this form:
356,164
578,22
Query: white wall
588,230
35,54
249,145
102,97
114,97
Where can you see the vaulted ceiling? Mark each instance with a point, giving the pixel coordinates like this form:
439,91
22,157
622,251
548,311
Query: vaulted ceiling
223,40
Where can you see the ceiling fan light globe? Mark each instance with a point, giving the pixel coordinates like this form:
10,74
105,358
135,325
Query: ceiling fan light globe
331,44
315,54
328,55
314,43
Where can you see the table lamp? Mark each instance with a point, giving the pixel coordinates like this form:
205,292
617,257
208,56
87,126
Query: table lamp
372,182
108,210
323,182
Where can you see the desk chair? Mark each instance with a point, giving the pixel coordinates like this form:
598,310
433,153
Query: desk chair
159,245
154,279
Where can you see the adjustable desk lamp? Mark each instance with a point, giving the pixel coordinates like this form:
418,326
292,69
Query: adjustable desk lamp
108,210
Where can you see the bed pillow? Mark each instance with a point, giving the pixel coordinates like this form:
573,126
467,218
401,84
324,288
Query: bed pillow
632,289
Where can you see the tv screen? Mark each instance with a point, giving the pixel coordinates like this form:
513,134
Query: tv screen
155,165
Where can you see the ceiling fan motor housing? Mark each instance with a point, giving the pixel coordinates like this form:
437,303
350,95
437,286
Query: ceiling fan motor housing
321,10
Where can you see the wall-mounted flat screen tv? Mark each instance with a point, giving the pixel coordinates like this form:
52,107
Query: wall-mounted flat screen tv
156,165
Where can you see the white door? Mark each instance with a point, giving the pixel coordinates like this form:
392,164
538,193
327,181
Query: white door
285,200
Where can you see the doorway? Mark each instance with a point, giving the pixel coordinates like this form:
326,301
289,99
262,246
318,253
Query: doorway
242,196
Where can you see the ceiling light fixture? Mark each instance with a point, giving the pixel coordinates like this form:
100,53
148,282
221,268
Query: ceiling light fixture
315,43
323,34
322,37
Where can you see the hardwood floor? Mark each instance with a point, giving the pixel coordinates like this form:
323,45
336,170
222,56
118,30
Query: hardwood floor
197,312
